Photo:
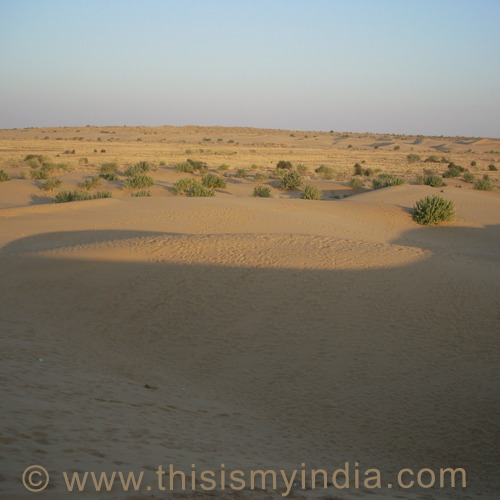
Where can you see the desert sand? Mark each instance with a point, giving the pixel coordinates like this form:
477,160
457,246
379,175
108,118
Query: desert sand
258,333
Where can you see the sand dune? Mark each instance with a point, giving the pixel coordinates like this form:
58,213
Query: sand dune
270,332
254,333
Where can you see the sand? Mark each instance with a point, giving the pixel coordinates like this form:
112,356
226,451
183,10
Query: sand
250,332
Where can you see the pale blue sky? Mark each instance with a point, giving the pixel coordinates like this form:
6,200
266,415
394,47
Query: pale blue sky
416,67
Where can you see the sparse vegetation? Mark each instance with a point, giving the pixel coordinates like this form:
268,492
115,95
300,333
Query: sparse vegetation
484,184
111,176
76,195
107,168
285,165
213,181
468,177
191,187
311,193
291,180
355,183
4,176
387,180
413,157
358,169
326,172
260,177
432,159
223,167
90,183
51,184
431,180
261,191
139,194
302,169
492,168
39,174
138,182
433,210
241,172
138,169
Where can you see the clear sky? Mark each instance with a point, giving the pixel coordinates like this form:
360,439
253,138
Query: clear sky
390,66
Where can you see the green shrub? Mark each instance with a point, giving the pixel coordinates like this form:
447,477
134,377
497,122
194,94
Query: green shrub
139,194
387,180
412,157
51,184
260,177
241,172
453,166
197,165
39,174
285,165
358,169
76,195
311,193
182,185
452,173
355,183
90,183
184,167
492,168
468,177
111,176
261,191
433,210
223,167
138,169
433,181
432,159
473,163
213,181
4,176
326,172
397,148
291,180
368,172
107,168
138,182
199,190
484,184
302,169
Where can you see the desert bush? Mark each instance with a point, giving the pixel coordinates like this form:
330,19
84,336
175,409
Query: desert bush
4,176
197,165
468,177
260,177
51,184
138,182
433,181
387,180
223,167
261,191
412,157
182,185
138,169
302,169
213,181
199,190
184,167
285,165
484,184
278,173
23,174
39,174
358,169
327,173
453,166
433,210
76,195
111,176
492,168
90,183
311,193
355,183
139,194
452,173
397,148
473,163
432,159
367,172
107,168
241,172
291,180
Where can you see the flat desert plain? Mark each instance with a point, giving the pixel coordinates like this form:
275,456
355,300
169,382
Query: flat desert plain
245,333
